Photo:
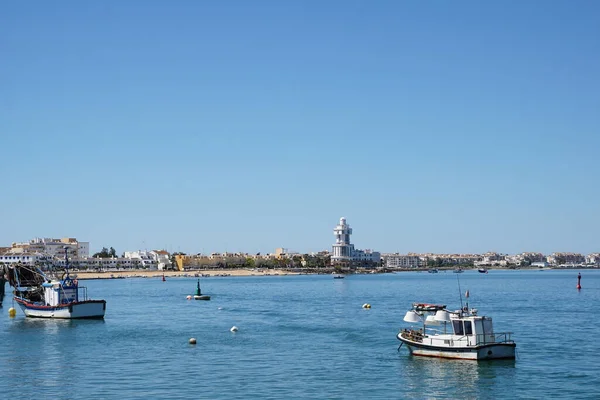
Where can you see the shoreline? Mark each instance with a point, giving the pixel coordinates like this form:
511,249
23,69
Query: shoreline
140,273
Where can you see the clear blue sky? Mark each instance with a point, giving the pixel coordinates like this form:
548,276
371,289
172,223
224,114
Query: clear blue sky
196,126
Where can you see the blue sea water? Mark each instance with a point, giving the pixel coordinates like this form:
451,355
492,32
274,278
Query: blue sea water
305,337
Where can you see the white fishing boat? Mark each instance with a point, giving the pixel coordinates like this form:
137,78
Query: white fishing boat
461,334
41,295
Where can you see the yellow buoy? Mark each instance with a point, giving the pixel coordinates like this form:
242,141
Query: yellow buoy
12,312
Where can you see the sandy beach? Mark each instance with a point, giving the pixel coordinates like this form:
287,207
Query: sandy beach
141,273
156,274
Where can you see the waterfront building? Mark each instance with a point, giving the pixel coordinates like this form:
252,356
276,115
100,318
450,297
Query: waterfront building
53,247
540,264
565,258
23,258
397,260
162,258
526,258
343,251
593,259
282,253
142,258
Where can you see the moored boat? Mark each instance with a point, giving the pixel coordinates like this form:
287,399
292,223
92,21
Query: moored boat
41,295
482,271
465,334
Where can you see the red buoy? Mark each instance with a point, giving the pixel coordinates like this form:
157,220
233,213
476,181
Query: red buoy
579,281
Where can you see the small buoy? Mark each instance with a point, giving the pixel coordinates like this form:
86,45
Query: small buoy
234,329
579,281
12,312
366,305
189,297
192,340
219,308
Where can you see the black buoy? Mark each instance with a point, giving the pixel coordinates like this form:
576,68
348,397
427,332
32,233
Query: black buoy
579,281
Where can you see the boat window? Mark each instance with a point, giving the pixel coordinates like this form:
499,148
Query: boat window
458,327
468,328
487,326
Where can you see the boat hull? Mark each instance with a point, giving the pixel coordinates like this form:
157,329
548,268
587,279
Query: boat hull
90,309
202,297
490,351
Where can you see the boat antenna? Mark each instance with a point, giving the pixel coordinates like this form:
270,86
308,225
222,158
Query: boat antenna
459,293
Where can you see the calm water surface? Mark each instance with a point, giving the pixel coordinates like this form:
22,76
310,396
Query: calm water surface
305,337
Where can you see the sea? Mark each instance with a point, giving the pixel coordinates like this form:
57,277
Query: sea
305,337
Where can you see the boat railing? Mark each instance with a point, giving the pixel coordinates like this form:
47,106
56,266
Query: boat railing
498,337
461,341
82,293
501,337
413,335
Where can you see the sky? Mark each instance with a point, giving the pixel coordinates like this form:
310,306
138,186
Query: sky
432,126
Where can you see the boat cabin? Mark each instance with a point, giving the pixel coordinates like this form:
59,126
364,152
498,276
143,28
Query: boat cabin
60,292
472,329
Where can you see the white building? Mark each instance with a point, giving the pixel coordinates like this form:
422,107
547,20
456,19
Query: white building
404,261
565,258
23,258
162,258
366,255
53,247
343,251
593,259
144,259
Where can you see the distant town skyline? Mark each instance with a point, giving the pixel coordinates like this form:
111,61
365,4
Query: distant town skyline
214,126
91,249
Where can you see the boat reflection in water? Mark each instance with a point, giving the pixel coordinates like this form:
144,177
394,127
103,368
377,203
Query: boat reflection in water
470,379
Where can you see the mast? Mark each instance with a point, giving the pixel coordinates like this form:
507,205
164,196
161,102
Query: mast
460,294
66,262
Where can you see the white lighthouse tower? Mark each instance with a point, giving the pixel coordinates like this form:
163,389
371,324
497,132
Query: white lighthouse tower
343,250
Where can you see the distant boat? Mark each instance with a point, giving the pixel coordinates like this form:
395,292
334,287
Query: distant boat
433,271
198,295
458,271
338,276
482,270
